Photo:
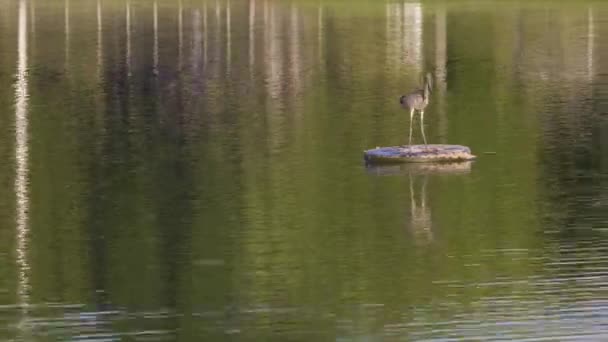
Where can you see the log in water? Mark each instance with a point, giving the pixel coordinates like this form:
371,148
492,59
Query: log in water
418,154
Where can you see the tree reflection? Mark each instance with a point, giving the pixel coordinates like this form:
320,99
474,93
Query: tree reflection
22,168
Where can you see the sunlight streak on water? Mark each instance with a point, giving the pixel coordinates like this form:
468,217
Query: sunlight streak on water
128,36
205,35
404,35
413,23
196,57
273,53
440,85
155,37
251,36
590,43
320,31
67,32
295,53
218,31
22,156
228,36
99,39
180,34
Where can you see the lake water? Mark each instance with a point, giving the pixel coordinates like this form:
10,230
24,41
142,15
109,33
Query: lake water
193,171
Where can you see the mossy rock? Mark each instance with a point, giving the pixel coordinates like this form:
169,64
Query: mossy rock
418,154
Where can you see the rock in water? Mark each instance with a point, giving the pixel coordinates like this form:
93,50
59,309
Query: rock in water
418,154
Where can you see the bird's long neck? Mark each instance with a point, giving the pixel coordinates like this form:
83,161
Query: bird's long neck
426,93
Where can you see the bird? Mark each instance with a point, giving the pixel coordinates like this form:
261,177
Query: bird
418,100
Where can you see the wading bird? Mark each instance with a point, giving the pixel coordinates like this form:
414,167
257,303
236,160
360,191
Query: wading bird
418,100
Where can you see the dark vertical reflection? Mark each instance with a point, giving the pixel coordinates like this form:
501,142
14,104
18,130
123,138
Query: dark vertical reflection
571,129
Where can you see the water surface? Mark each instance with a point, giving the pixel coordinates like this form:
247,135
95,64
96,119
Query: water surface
192,171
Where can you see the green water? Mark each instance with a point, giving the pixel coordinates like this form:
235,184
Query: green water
193,171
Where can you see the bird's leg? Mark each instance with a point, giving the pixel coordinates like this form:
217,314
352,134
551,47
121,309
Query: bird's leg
422,126
411,123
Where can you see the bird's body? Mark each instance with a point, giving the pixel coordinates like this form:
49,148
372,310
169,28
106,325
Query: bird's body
415,100
418,100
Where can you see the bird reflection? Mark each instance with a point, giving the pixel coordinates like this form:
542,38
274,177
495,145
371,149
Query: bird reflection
420,212
420,223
